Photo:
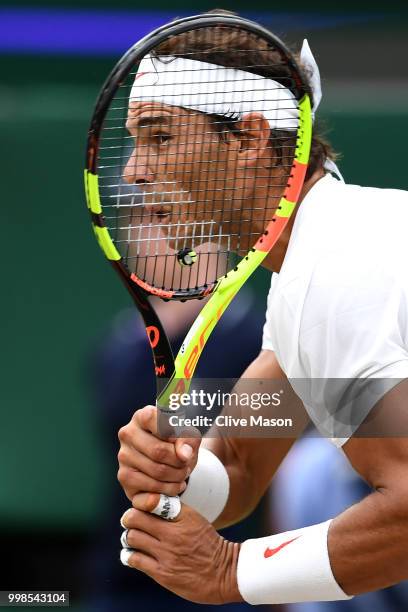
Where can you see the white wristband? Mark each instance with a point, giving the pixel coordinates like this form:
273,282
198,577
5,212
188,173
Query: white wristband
290,567
208,486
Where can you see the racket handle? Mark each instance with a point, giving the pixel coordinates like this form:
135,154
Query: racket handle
164,428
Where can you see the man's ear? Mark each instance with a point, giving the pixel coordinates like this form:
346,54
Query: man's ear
254,136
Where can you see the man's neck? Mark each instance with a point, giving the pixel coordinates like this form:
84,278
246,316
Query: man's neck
274,260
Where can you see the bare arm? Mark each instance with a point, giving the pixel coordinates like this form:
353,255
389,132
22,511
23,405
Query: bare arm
368,542
250,462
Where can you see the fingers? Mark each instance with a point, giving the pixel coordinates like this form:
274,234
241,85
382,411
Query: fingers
145,501
186,446
142,522
134,519
123,539
147,419
134,436
164,506
139,540
150,523
134,482
149,464
160,471
187,449
140,548
139,561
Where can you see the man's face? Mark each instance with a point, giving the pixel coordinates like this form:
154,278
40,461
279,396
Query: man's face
190,176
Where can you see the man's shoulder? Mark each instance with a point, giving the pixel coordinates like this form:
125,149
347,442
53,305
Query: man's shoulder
380,194
368,223
328,186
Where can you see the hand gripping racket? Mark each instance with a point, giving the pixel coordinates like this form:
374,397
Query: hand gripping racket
197,153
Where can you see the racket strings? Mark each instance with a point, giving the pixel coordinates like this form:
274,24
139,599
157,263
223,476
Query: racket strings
177,201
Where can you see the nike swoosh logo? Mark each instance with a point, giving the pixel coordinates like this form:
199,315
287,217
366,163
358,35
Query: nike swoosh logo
269,552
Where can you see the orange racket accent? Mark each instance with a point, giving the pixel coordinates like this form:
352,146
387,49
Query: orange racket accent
196,352
153,334
181,386
154,290
295,182
266,241
208,290
191,362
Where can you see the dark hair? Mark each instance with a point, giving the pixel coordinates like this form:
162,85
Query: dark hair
218,45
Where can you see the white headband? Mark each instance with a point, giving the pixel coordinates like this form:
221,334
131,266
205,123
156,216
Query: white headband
213,89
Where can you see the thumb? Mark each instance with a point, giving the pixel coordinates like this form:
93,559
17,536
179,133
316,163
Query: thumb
146,418
187,447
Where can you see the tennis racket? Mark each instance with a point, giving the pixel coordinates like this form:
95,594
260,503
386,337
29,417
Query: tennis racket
196,156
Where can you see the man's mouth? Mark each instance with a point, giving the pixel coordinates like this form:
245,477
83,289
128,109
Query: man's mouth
162,212
159,211
162,215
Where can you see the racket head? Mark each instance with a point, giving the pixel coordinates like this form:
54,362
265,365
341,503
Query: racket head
173,222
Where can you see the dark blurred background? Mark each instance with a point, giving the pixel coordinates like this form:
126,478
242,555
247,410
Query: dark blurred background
59,298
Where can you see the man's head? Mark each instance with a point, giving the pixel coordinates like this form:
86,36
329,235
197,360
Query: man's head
213,157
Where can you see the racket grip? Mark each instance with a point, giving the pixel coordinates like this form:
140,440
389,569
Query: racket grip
165,428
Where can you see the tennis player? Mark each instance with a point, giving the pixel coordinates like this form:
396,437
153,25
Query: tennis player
336,320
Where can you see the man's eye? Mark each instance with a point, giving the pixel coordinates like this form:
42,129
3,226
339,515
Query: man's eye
162,138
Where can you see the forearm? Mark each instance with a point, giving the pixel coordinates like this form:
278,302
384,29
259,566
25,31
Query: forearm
363,549
368,543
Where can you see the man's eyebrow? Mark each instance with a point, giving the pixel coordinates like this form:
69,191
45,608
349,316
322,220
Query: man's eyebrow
147,121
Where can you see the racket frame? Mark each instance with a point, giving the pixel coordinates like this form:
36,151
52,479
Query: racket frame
174,375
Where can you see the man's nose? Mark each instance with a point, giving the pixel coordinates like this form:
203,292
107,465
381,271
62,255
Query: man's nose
137,170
